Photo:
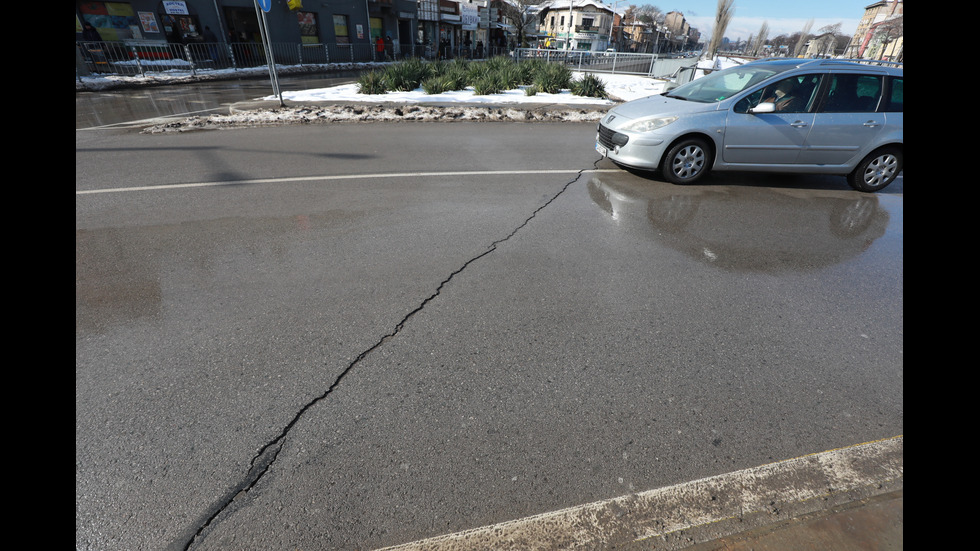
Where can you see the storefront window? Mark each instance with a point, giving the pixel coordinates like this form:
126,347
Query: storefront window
308,29
428,10
181,28
340,29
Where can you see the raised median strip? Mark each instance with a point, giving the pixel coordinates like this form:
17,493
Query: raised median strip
679,516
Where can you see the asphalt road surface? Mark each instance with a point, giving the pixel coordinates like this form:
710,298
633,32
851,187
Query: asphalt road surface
124,107
357,336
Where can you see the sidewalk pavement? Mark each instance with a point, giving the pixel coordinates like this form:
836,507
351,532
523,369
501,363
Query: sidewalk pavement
874,524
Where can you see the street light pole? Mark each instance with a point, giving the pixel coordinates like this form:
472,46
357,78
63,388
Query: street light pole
612,23
568,36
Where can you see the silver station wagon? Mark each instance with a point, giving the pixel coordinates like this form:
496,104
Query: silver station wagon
823,116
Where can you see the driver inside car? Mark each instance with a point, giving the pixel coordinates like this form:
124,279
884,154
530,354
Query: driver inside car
783,96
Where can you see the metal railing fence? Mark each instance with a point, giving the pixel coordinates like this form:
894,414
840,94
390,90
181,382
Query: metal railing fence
652,65
123,58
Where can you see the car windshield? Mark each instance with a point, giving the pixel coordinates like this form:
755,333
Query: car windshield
724,84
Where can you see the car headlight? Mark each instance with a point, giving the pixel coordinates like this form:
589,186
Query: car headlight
649,124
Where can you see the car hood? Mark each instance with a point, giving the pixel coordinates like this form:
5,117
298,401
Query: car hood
654,105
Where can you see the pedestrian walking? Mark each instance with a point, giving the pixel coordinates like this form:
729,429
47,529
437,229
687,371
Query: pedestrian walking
95,53
379,49
211,42
91,34
389,48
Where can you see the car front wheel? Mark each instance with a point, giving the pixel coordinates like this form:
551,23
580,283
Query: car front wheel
876,170
686,162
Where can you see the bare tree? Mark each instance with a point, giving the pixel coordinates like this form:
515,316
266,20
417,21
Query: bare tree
832,31
521,15
804,36
723,16
649,14
887,32
760,41
629,16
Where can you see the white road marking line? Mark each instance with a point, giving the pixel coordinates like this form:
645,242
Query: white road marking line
154,120
337,177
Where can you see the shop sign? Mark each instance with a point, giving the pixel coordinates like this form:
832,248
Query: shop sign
469,16
175,7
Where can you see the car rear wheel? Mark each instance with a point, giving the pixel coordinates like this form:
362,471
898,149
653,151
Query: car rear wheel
686,162
876,170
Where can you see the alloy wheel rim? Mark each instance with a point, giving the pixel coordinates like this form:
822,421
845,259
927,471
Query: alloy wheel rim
688,162
881,170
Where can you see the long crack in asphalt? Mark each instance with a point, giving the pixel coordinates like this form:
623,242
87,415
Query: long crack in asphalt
266,456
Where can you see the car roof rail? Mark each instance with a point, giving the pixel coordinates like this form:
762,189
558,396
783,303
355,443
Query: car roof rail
801,61
875,62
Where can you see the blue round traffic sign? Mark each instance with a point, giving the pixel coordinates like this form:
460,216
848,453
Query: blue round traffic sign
266,5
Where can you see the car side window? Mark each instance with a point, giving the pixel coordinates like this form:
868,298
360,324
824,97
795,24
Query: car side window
848,93
789,95
894,101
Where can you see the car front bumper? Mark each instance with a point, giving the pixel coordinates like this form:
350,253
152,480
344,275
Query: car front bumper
639,151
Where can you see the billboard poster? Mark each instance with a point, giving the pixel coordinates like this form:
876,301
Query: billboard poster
149,22
112,19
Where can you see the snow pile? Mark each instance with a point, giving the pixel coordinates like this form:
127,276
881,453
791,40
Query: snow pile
619,87
181,76
379,113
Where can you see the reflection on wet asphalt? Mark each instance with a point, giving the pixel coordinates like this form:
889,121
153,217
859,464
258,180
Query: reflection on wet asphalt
119,107
745,228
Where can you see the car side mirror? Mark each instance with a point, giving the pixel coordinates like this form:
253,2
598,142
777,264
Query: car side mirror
765,107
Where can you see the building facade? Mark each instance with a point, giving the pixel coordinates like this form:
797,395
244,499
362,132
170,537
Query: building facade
678,31
578,25
299,21
879,34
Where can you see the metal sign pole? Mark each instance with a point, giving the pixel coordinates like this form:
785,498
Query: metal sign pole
267,44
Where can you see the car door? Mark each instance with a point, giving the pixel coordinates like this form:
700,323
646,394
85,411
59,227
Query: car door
770,138
847,120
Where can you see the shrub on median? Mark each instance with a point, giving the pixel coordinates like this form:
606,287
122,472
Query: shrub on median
491,76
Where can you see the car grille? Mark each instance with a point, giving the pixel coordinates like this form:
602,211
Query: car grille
611,139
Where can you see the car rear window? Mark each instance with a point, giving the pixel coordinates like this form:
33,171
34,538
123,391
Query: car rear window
850,93
895,102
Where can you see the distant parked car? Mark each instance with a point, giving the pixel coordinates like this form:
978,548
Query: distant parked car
773,115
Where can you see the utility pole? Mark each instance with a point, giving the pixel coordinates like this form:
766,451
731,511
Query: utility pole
568,38
612,23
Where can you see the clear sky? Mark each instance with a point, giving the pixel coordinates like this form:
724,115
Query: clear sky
783,16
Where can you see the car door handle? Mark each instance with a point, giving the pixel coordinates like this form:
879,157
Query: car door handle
872,123
798,124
